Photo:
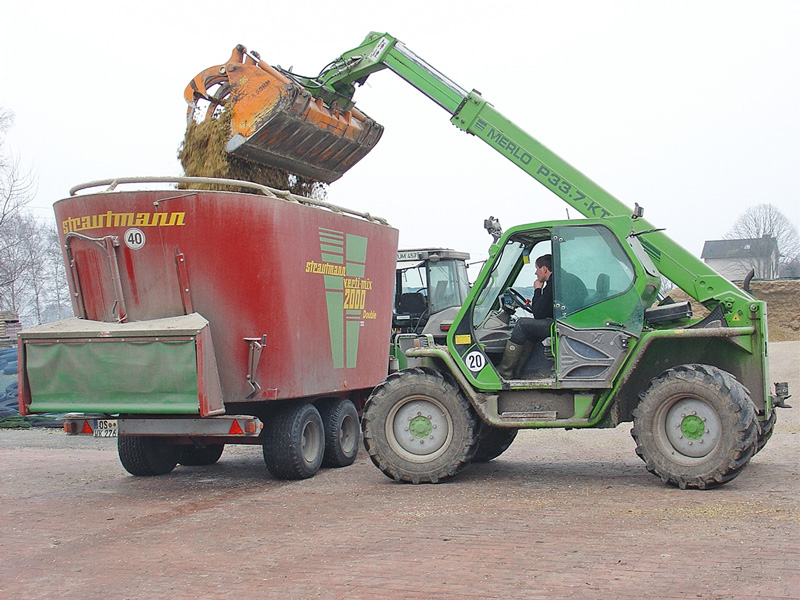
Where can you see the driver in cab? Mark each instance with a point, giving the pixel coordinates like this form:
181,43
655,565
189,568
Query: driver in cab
530,331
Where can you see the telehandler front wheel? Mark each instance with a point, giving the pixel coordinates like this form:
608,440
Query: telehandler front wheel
695,427
418,427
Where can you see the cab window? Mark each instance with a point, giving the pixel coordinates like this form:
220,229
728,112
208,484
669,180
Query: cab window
591,267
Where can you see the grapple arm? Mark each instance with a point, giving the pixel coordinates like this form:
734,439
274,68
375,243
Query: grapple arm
276,121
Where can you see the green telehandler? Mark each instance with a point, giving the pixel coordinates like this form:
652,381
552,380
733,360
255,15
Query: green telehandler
696,390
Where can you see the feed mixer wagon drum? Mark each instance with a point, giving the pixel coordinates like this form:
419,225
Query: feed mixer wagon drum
259,298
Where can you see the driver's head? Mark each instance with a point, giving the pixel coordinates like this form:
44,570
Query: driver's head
544,267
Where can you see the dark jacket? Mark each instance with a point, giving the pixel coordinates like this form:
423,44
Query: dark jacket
542,303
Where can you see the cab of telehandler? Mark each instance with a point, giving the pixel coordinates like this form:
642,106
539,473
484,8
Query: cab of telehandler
603,282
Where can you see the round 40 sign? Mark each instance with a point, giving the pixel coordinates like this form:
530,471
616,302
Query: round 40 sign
134,238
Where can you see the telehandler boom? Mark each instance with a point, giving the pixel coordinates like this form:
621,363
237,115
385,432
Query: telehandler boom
696,390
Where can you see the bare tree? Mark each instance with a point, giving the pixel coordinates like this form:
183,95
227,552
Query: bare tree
765,220
32,275
32,279
59,304
15,264
16,188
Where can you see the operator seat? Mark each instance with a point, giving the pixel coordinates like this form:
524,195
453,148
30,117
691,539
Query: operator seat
602,286
412,303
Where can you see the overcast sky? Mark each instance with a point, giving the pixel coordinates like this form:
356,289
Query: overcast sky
691,109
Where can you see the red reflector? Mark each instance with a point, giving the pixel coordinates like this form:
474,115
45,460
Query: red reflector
445,326
86,428
235,428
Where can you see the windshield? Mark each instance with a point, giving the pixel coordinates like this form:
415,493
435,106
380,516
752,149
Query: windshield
496,282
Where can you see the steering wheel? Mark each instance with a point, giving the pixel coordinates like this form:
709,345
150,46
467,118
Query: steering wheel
519,300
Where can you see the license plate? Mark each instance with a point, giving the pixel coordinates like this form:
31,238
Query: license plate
105,428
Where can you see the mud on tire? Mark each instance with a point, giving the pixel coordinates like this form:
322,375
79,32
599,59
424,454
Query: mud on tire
418,427
695,427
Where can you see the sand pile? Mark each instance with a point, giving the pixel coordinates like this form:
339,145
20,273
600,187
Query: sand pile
783,315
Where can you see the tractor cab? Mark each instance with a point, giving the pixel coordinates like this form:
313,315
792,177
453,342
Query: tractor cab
430,286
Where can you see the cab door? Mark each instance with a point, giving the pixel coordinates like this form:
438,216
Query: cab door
597,306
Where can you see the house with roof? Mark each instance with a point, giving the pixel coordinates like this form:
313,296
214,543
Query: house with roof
734,259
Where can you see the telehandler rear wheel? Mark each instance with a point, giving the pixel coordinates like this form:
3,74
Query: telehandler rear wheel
695,427
493,443
419,427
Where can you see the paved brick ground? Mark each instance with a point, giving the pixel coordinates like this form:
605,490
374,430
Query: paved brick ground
560,515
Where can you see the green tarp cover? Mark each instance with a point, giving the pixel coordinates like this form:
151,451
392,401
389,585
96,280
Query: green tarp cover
115,376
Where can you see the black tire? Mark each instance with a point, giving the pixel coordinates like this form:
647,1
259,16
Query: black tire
192,456
294,442
147,456
342,432
410,408
493,443
765,430
695,427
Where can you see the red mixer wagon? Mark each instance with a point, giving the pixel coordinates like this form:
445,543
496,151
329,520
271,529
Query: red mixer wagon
212,317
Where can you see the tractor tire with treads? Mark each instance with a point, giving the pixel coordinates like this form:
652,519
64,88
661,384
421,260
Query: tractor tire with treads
342,431
419,428
493,443
147,456
294,442
695,426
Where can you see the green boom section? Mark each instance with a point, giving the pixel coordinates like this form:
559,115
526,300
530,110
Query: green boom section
116,376
688,272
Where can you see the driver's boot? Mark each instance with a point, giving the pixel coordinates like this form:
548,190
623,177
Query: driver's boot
511,356
524,355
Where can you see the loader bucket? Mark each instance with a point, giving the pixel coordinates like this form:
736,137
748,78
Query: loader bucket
276,122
